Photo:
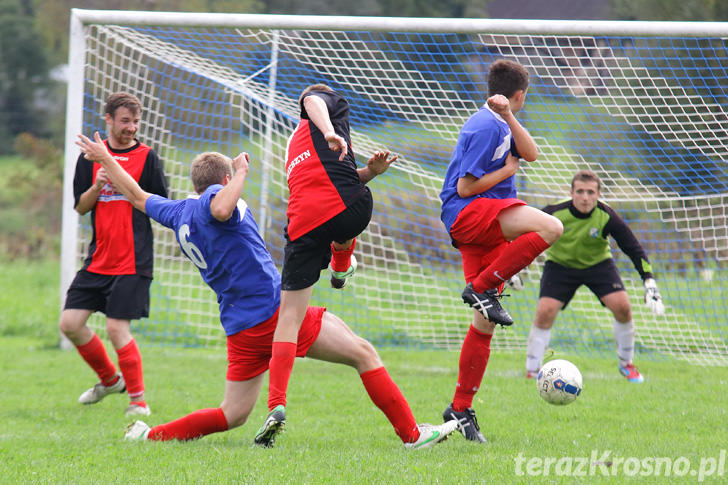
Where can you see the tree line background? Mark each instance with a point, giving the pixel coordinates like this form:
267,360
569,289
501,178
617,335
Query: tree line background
34,50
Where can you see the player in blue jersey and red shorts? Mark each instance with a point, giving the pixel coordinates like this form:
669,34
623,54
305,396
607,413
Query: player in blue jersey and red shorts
218,234
328,207
496,233
117,272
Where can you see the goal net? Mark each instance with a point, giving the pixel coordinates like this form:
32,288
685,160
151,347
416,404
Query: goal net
641,104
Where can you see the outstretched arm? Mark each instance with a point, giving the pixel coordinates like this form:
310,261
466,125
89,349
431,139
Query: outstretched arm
525,145
318,113
629,244
377,165
96,152
224,202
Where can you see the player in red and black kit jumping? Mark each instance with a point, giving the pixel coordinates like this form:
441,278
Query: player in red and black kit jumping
117,272
329,205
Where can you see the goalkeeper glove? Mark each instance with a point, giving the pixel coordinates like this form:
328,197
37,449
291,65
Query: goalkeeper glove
515,282
653,300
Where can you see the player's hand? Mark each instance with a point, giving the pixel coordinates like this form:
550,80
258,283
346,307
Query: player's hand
241,162
380,162
515,282
336,144
93,150
101,178
512,163
499,104
653,300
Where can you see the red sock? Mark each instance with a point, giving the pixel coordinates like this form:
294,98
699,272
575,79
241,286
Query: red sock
341,260
130,363
385,394
282,358
194,425
516,256
473,361
94,353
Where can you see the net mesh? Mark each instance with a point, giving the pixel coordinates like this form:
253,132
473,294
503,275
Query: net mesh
647,114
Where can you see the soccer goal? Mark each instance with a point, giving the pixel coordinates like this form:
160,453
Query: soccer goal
642,104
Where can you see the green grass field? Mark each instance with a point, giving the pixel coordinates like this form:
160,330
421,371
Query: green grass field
670,428
336,435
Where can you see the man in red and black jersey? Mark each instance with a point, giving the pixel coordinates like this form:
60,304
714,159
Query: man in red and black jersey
329,205
117,272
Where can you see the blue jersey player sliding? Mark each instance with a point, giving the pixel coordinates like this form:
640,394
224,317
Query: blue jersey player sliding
217,232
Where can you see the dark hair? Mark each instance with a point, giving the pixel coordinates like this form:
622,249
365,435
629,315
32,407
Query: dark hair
314,87
506,77
209,168
122,99
587,176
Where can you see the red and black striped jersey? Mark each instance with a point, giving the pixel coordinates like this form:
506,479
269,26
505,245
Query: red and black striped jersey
320,185
122,241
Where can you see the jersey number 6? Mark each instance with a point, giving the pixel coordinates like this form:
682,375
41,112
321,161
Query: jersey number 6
190,250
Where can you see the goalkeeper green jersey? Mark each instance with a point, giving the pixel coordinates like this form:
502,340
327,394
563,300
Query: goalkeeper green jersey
584,241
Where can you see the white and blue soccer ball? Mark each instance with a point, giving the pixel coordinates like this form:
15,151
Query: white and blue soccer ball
559,382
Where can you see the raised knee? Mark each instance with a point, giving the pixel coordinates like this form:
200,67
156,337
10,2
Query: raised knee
554,230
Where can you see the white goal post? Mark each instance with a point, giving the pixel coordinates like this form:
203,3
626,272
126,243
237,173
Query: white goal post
643,104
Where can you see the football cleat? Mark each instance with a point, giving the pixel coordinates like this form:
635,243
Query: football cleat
466,422
339,278
430,435
631,373
487,304
137,431
100,391
274,424
137,410
531,375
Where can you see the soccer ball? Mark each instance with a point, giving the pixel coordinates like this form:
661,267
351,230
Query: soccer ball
559,382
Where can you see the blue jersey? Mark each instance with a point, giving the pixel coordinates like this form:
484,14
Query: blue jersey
231,256
483,144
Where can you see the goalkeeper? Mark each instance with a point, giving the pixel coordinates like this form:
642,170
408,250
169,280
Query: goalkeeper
582,257
218,234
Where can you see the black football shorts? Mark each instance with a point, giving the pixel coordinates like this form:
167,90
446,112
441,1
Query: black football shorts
304,258
125,297
560,282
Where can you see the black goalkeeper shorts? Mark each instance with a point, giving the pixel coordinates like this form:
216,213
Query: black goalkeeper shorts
560,282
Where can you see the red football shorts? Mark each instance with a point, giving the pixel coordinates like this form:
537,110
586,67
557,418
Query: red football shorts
249,350
477,233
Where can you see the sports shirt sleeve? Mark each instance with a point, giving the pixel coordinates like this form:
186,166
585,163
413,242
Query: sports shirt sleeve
332,103
628,243
163,210
476,149
152,178
82,178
